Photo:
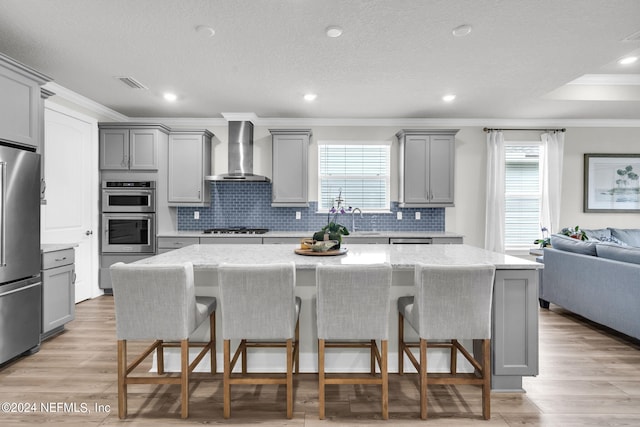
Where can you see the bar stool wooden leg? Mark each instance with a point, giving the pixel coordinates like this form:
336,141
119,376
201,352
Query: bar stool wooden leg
297,347
184,377
453,365
226,379
372,357
385,380
486,385
244,356
122,385
400,344
321,384
423,379
290,364
212,329
160,357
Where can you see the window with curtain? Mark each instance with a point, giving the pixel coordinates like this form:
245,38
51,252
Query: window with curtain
359,169
523,193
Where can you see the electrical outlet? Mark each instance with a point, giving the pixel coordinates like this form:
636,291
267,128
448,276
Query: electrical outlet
298,215
196,215
399,215
417,215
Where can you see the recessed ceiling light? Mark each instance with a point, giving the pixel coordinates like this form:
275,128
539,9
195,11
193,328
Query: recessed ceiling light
170,97
333,31
462,30
448,98
205,30
310,97
628,60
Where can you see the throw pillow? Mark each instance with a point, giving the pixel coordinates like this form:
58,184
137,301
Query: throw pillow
630,236
619,253
569,244
602,234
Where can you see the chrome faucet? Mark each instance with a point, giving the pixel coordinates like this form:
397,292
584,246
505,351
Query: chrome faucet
353,218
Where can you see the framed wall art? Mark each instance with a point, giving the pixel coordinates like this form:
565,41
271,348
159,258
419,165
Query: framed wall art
611,183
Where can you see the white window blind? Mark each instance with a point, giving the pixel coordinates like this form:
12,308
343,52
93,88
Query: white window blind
522,194
359,170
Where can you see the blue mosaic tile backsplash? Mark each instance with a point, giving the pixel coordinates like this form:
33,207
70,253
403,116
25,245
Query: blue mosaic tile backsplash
249,205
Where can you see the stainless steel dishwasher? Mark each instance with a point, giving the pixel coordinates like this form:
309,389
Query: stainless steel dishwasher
411,241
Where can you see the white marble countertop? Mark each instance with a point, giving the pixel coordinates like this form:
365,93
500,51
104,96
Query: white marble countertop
53,247
399,256
390,234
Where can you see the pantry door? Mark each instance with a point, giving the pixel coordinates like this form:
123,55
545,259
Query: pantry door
70,214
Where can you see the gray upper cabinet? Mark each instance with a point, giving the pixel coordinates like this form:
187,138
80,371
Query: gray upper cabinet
20,109
426,167
189,163
130,146
290,167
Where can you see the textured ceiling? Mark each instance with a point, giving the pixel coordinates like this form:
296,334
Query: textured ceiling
395,59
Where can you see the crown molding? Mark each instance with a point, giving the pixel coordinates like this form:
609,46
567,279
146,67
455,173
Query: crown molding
196,122
400,122
84,102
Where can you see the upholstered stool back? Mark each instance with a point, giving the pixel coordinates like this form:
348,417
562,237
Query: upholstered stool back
257,301
353,301
155,301
452,301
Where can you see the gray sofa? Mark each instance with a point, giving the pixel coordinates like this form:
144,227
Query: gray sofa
598,279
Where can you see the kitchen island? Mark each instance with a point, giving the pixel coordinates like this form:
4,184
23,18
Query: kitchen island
515,321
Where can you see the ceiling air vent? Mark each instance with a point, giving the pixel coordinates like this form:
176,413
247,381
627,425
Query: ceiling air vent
132,83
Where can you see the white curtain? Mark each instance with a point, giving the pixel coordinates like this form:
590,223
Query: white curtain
494,225
551,171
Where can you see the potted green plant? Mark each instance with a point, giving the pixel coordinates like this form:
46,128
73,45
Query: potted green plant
545,240
574,232
333,230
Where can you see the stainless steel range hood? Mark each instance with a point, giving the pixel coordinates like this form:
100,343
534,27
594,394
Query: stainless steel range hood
240,160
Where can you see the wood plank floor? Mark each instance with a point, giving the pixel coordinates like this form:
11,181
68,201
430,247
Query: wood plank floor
589,376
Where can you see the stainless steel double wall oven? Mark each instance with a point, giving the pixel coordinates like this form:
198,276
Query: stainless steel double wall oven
128,217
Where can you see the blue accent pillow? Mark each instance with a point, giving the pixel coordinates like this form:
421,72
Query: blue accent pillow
619,253
602,234
630,236
569,244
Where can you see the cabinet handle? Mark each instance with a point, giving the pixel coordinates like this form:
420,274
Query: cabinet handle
74,277
61,259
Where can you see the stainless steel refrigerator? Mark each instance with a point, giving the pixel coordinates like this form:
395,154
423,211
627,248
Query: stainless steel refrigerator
20,285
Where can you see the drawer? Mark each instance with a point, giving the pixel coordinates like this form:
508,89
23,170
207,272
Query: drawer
281,240
176,242
58,258
230,240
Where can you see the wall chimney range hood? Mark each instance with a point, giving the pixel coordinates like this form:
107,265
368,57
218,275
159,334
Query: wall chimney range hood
240,158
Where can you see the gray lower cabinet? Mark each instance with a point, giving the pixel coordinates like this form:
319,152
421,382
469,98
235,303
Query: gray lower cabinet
107,260
282,240
58,291
447,240
20,109
130,146
515,333
231,240
167,244
189,163
290,167
365,240
426,168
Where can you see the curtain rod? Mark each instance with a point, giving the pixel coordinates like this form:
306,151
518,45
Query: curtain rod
525,129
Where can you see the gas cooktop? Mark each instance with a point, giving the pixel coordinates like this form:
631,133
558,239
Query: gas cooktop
235,230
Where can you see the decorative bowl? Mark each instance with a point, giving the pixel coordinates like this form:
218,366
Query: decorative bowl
323,245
